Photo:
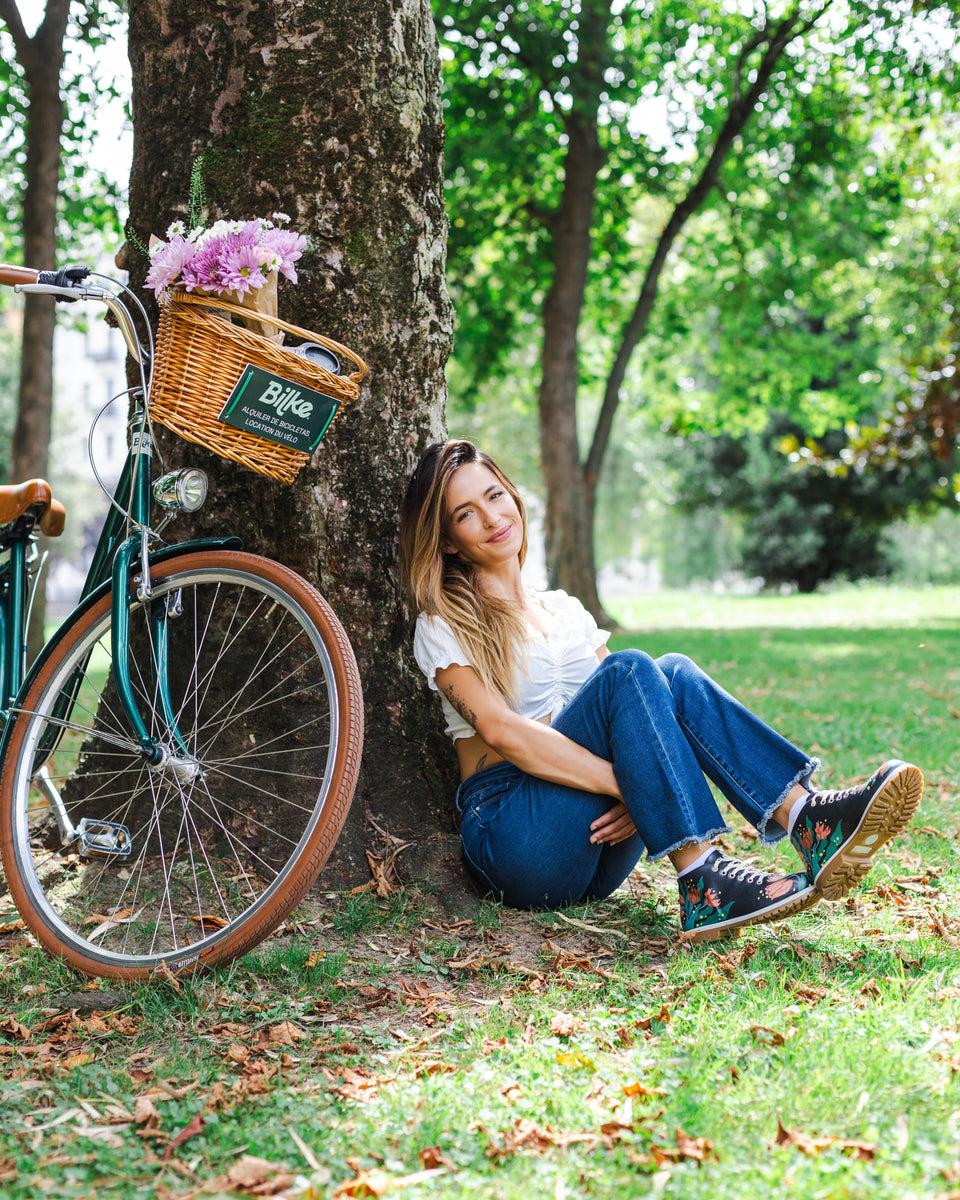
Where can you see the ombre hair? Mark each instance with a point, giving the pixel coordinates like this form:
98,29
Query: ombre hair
440,584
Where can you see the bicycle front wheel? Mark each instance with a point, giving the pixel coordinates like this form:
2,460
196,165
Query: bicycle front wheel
249,686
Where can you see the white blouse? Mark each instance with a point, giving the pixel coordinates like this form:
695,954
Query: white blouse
557,662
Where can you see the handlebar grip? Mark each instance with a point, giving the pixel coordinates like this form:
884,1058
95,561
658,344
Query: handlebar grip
11,276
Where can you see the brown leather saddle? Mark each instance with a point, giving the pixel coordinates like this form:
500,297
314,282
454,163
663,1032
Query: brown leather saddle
23,506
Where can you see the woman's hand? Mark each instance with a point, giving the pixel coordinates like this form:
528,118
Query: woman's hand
614,826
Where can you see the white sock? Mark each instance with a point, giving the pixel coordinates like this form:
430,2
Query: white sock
795,811
698,863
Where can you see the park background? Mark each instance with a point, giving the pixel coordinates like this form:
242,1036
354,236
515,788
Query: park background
782,447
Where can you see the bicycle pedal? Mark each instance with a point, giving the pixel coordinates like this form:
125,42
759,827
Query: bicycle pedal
104,839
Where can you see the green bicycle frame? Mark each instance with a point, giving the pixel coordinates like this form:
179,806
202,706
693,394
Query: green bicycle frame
118,555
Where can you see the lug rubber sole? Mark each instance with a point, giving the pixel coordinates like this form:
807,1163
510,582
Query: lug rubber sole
797,903
889,814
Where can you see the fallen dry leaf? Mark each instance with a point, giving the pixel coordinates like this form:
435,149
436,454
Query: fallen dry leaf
14,1028
812,1146
768,1037
662,1017
565,1025
286,1034
525,1135
697,1149
250,1172
195,1126
642,1091
143,1109
77,1060
379,1183
432,1157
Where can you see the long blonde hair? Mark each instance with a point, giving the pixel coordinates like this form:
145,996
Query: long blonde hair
439,584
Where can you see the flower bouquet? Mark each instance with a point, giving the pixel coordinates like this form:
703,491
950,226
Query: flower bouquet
238,260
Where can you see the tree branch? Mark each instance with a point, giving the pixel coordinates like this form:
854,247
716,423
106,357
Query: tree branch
34,53
10,14
739,113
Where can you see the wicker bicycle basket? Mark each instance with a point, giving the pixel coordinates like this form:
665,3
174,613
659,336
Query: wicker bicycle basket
200,357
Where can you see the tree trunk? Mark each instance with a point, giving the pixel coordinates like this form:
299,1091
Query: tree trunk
571,487
41,58
569,515
330,113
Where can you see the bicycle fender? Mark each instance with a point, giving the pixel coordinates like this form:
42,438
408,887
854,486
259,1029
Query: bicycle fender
166,554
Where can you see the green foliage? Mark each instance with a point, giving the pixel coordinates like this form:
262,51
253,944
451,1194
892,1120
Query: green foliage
9,375
88,199
782,291
664,81
802,524
197,206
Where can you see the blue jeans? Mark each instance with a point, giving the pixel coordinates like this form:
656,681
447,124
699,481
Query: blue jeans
663,725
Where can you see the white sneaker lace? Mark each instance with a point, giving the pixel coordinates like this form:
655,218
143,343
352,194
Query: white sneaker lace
732,868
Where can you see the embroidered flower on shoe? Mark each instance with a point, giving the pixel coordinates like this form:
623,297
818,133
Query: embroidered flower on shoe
778,887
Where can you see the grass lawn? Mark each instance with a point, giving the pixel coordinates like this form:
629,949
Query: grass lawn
405,1045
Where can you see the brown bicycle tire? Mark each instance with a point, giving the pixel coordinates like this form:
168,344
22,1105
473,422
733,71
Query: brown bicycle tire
303,866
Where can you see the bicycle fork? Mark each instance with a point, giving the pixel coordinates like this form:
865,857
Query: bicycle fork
174,754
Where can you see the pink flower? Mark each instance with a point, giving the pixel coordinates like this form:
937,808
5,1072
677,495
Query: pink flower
167,264
779,887
241,269
288,247
203,271
228,256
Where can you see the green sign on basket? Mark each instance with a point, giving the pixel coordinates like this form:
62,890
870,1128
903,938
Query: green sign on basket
278,409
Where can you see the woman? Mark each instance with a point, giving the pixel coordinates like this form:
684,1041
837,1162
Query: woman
573,760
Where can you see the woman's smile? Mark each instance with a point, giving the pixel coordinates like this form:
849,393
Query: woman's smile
482,517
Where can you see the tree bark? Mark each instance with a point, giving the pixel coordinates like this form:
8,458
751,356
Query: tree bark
330,113
41,58
569,521
568,531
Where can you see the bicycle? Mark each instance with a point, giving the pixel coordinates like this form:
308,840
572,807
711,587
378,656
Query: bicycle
179,760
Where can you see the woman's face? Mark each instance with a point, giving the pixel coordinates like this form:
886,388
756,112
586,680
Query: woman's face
482,522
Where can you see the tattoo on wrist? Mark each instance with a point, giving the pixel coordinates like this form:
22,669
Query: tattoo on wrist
482,763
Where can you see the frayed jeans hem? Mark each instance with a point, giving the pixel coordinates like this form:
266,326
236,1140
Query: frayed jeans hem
687,841
770,836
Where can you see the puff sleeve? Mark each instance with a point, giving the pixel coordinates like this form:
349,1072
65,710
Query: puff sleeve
436,647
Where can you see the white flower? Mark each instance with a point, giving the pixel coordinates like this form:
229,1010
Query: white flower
176,228
281,218
218,229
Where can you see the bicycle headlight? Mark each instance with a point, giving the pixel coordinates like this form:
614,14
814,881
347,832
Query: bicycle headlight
185,489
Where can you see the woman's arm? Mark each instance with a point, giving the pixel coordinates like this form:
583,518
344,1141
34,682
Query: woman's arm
529,745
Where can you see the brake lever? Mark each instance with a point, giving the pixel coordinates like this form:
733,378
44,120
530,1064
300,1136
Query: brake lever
66,278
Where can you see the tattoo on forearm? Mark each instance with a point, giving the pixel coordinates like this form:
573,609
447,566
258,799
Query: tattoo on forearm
467,713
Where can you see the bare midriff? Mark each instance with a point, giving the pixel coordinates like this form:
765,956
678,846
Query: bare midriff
474,753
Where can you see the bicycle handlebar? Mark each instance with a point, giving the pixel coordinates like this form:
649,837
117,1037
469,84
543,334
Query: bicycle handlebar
12,276
68,284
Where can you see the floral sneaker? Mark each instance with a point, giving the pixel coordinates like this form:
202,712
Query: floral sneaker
723,894
837,833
